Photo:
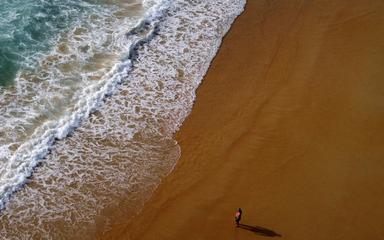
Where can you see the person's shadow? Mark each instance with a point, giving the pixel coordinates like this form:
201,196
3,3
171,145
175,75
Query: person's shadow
260,230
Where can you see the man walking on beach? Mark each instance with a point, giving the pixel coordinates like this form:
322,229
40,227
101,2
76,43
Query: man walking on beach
238,216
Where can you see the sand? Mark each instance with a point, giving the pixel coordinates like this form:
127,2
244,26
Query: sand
288,125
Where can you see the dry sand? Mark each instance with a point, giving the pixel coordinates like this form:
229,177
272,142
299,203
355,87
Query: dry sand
288,124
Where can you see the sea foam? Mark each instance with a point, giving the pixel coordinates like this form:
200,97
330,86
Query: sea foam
87,96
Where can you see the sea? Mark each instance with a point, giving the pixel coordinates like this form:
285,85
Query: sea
91,93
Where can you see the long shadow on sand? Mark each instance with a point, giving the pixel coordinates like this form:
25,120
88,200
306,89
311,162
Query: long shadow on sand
260,230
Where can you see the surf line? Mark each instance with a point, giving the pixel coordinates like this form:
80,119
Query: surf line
38,148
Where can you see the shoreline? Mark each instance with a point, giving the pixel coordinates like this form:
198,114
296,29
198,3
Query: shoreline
287,125
112,162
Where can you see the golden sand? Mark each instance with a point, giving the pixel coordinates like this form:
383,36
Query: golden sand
288,125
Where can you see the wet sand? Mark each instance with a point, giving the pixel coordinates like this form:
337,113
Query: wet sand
288,125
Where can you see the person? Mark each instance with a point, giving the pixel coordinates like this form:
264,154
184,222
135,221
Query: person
238,216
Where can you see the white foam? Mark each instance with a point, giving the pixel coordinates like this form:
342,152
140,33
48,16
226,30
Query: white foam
88,95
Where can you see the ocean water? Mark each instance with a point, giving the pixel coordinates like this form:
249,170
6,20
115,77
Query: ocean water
29,28
91,93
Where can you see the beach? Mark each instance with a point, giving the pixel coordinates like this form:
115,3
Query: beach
91,94
288,124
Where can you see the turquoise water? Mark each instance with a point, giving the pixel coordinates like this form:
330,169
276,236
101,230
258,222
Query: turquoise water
29,28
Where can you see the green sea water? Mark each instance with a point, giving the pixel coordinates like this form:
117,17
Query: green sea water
29,28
